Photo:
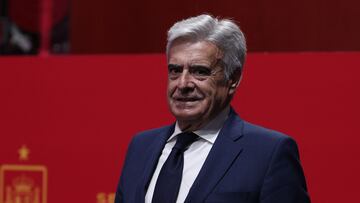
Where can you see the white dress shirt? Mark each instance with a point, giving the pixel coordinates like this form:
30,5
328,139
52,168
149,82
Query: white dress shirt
194,156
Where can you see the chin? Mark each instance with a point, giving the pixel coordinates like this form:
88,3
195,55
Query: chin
185,114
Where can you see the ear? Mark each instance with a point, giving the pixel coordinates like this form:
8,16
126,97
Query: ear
235,81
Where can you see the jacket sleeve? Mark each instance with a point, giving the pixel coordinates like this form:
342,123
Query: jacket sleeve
284,181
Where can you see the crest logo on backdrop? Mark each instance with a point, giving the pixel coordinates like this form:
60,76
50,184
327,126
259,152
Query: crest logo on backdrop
23,183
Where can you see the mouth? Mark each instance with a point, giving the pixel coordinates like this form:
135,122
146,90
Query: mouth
186,99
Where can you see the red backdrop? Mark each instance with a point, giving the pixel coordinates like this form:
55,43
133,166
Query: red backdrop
76,115
113,26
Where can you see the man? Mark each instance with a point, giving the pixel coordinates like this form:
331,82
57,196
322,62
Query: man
209,154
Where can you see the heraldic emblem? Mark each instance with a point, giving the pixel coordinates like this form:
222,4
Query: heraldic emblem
22,183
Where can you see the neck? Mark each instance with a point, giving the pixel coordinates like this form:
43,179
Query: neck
193,125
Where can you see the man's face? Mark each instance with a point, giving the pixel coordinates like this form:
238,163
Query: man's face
197,90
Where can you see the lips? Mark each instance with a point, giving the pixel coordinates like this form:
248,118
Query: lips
187,99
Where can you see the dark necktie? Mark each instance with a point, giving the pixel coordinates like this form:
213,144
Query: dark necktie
168,183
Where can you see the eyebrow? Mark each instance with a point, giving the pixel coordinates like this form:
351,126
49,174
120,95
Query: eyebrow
200,66
174,66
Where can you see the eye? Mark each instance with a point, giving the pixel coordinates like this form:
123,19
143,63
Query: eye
201,71
174,70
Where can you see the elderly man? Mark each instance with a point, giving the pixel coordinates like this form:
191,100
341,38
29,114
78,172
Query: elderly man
209,154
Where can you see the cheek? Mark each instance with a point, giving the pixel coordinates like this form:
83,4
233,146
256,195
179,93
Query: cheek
216,92
170,87
209,89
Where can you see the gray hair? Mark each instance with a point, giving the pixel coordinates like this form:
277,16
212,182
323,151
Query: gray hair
224,33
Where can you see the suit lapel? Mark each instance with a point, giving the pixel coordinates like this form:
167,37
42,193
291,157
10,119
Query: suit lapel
222,155
154,151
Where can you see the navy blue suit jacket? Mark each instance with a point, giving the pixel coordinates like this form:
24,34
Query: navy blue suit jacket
247,163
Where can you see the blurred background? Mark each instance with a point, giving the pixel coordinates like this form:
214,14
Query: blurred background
124,26
79,78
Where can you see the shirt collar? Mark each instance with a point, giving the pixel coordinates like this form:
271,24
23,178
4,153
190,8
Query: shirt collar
210,131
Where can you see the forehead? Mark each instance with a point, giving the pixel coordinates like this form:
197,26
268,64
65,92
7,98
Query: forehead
186,51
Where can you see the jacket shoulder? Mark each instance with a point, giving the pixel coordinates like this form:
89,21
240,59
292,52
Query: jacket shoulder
257,131
238,127
155,131
152,134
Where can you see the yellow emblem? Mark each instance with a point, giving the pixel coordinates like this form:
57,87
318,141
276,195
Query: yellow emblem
103,197
23,153
23,183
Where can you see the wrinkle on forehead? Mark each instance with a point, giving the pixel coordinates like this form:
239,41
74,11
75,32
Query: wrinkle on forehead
188,51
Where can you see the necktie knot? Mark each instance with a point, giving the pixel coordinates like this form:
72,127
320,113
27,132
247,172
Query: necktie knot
184,140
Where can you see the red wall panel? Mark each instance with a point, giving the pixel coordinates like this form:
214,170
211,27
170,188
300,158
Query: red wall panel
76,114
113,26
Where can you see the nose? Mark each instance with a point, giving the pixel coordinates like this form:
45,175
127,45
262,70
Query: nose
185,81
